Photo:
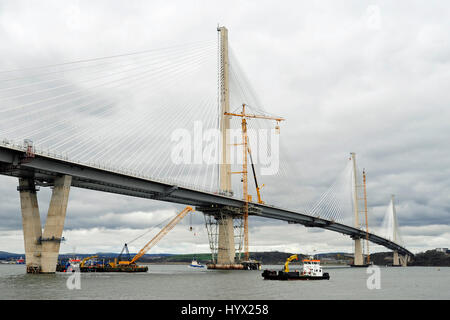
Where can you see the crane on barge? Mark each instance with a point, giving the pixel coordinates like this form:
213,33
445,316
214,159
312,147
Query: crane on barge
127,264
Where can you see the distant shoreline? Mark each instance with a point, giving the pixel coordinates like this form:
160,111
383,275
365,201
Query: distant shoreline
432,258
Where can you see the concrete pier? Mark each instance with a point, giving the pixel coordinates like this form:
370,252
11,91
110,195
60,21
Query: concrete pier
220,225
31,222
404,260
358,259
396,259
226,250
42,248
54,225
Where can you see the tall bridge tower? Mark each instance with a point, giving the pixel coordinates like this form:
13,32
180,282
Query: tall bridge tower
358,257
396,260
226,251
394,234
219,219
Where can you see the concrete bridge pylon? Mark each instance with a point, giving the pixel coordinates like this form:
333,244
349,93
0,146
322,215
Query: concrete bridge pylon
398,260
358,255
226,254
42,246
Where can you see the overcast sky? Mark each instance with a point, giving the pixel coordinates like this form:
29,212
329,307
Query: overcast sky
369,77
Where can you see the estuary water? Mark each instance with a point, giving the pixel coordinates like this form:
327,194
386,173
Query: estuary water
178,282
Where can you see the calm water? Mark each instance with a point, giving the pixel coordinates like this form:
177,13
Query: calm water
180,282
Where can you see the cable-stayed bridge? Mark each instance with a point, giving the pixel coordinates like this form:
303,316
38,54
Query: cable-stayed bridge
150,124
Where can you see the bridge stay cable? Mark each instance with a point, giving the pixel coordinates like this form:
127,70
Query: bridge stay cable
122,112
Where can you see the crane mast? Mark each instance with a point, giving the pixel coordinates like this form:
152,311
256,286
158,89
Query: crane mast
244,172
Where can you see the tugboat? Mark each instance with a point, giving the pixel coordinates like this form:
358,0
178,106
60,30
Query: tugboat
311,271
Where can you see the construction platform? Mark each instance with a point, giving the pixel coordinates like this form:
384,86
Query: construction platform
360,265
104,268
245,265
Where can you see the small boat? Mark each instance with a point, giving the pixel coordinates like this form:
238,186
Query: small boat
20,261
195,264
311,270
73,265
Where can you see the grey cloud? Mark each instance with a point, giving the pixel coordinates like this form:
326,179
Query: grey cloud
343,86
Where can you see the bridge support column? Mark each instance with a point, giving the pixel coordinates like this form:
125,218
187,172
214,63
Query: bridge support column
31,223
51,239
226,250
400,260
358,258
42,249
396,259
222,222
404,260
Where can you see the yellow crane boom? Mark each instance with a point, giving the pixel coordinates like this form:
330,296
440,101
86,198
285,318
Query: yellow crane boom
159,236
286,265
86,259
258,188
254,116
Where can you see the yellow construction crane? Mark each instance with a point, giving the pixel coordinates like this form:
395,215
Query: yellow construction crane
86,259
258,188
244,172
286,265
154,241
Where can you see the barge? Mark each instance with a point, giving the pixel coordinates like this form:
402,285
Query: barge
74,265
244,265
101,268
360,265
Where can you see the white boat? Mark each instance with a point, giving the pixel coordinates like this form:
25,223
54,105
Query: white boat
73,265
311,270
195,264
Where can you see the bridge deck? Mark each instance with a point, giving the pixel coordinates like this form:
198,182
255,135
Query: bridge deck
44,168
